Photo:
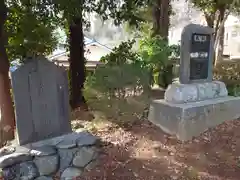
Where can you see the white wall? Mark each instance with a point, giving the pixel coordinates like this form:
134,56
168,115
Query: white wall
94,53
232,36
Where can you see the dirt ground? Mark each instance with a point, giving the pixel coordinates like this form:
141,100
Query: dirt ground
144,152
134,149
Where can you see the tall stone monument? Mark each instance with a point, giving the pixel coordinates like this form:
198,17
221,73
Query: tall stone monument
40,91
196,102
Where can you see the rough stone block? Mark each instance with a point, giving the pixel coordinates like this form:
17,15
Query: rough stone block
44,178
15,158
47,165
83,157
66,156
187,120
71,173
184,93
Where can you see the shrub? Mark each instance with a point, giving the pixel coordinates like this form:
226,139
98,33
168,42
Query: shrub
119,80
123,74
155,53
234,90
229,73
175,50
126,72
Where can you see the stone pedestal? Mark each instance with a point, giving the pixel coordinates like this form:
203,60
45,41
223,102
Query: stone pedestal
189,110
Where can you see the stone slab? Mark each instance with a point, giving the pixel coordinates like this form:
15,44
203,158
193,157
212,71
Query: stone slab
58,140
65,141
43,151
189,46
191,119
15,158
40,93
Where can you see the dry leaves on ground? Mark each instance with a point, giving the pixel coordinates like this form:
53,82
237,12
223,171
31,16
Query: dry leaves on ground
144,152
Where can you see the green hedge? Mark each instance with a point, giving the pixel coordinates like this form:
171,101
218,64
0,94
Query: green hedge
229,73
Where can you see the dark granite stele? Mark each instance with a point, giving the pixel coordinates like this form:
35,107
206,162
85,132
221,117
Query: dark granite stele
66,156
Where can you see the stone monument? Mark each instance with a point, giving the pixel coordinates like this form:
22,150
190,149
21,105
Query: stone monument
196,102
40,91
48,147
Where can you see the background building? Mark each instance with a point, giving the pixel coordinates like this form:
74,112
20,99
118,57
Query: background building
94,50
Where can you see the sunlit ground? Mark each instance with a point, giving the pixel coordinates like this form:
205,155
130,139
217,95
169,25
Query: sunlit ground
133,148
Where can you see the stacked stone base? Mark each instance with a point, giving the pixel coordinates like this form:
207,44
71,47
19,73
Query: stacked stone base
189,110
64,157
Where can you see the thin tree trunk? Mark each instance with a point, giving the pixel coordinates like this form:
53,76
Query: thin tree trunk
219,50
210,18
219,40
216,27
7,120
77,63
221,25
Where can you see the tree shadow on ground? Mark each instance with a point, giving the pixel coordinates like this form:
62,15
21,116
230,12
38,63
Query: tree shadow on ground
117,162
134,156
212,156
216,151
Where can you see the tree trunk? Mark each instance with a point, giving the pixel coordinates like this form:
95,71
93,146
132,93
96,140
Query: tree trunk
77,63
7,120
165,18
219,39
210,19
161,14
161,18
220,49
216,27
157,17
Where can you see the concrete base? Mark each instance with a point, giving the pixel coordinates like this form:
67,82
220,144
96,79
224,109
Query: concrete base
191,119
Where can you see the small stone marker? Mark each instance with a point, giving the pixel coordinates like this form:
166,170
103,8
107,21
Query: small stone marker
196,54
40,91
